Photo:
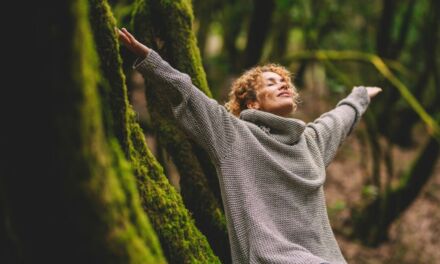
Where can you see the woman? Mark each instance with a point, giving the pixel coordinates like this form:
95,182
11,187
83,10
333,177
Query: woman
271,168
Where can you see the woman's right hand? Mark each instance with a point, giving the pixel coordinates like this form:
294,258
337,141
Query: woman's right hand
132,43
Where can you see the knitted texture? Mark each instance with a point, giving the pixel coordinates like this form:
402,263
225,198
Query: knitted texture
271,169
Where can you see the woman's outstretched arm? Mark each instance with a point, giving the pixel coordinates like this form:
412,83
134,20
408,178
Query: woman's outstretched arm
331,128
206,121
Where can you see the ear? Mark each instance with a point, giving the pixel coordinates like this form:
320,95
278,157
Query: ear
253,105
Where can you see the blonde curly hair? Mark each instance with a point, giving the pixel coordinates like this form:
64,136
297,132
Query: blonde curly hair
244,89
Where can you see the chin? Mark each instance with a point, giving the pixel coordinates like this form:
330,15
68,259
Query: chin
285,110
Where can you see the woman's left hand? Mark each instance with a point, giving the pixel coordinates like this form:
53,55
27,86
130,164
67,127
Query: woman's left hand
373,91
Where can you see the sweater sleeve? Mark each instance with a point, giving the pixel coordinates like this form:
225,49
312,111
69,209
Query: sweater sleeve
203,119
331,128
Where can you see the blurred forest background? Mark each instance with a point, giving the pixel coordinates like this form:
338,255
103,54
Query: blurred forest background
125,185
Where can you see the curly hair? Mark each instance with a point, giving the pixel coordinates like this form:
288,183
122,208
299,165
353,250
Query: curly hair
244,89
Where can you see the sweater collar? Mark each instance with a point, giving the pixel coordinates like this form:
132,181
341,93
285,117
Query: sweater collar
284,129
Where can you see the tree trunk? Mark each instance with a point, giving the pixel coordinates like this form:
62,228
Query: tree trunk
261,21
282,27
73,199
235,15
181,240
166,26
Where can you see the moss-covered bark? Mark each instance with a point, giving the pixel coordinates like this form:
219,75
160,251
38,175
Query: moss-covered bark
180,238
79,204
115,101
166,26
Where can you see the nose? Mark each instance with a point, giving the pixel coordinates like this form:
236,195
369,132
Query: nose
283,86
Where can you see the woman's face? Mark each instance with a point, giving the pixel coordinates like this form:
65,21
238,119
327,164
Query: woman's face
275,96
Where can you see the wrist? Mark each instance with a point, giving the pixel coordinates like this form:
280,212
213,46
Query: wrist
143,52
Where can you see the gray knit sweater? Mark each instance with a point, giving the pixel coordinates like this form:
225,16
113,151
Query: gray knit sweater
271,169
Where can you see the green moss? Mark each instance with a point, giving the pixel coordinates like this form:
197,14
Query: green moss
78,205
166,26
179,237
103,25
108,185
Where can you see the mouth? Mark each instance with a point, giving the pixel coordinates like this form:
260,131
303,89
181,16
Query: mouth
284,94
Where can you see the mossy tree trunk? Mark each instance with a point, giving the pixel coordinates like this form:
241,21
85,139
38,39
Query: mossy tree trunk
181,240
166,26
74,200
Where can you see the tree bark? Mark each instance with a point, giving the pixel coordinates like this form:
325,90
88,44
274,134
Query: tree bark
261,21
72,199
166,26
181,241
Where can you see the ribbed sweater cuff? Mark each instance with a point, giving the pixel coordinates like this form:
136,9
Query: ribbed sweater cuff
358,99
148,62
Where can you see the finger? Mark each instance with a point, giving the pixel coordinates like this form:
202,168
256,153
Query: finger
124,30
129,35
124,38
122,34
127,32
